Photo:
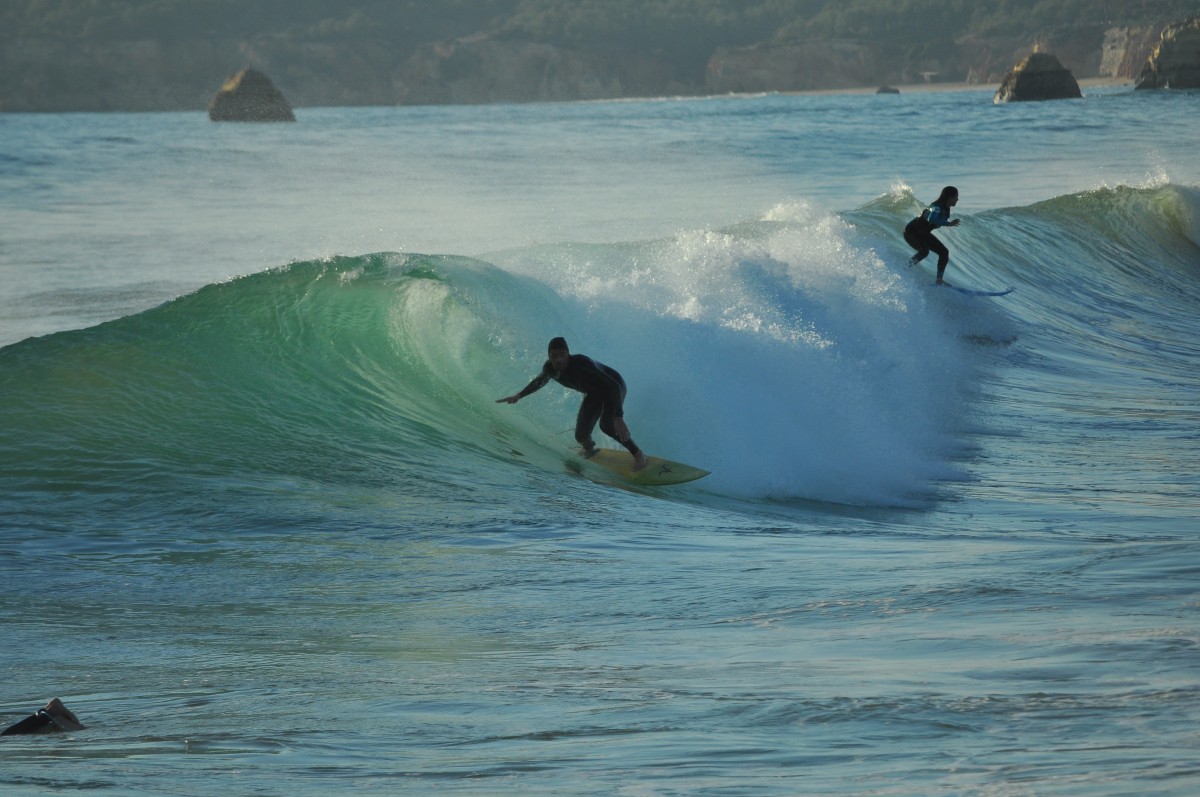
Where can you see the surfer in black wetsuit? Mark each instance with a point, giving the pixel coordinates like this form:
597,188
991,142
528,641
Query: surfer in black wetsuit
603,397
919,232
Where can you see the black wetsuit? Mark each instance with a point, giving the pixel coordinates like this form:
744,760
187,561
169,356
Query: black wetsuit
603,397
919,235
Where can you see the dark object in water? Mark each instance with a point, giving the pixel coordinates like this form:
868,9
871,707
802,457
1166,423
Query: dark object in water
1039,77
249,96
51,719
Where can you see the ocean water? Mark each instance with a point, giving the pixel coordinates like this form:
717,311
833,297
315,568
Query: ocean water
265,530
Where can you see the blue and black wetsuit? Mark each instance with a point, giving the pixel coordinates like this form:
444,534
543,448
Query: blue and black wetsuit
919,235
603,397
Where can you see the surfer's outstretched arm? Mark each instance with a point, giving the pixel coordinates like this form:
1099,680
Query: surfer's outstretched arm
537,384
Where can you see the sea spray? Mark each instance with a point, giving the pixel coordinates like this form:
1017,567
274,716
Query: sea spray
778,353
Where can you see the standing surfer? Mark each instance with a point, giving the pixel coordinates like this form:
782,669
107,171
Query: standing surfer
603,397
919,232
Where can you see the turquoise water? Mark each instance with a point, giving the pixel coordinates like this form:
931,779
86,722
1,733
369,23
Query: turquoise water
265,529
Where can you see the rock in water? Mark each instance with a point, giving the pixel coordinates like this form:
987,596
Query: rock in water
54,717
1038,77
1175,62
249,96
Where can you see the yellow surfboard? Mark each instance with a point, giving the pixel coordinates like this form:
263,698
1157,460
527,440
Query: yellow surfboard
658,471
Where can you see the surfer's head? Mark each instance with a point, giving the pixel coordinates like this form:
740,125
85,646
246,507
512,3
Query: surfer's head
949,196
560,355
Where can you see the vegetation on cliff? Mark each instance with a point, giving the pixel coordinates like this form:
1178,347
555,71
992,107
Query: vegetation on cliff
685,27
171,54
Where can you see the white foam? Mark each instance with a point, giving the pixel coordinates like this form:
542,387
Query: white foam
784,355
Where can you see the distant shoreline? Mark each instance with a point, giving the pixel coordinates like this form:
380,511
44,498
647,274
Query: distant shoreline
926,88
904,88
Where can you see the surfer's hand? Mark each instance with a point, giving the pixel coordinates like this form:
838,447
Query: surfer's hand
508,400
955,222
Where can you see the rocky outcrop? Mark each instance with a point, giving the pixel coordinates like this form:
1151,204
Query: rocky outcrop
1175,62
1038,77
249,96
53,718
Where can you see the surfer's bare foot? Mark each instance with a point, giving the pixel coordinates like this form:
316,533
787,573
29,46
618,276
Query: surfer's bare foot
588,453
639,461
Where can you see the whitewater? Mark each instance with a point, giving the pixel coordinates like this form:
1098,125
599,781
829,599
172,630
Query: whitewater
265,529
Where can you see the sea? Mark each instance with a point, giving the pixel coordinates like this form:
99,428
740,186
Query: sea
265,529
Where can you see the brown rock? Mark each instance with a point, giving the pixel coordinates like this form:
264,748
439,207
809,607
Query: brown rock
1038,77
249,96
1175,62
52,718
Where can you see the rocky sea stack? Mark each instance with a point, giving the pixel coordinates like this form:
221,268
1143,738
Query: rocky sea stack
249,96
1038,77
1175,62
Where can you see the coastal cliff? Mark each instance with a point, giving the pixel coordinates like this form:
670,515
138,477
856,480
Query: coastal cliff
153,75
1175,61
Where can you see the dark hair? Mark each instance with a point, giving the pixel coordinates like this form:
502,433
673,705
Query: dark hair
947,192
558,344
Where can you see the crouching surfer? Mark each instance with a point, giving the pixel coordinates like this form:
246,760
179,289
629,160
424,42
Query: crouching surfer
603,397
919,232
